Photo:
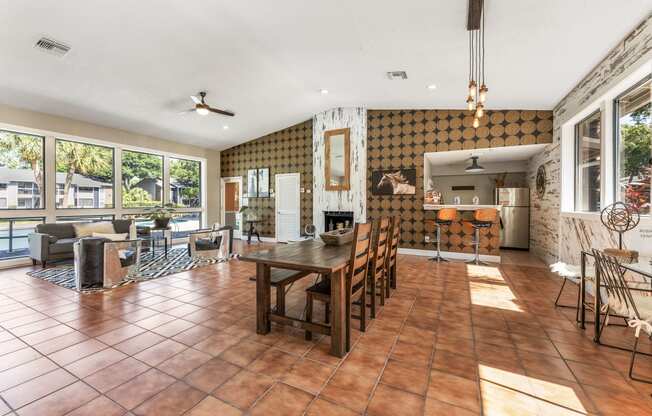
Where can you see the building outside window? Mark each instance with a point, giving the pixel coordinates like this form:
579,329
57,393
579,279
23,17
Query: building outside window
142,179
84,175
21,171
634,140
588,176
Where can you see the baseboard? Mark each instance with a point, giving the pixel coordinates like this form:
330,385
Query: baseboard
254,239
448,254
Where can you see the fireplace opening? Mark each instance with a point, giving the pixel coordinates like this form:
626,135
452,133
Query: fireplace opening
334,220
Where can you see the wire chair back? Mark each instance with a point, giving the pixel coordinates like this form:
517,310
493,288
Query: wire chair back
612,276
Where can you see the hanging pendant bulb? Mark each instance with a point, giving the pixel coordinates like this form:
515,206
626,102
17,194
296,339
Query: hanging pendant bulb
476,122
483,93
479,111
472,88
469,102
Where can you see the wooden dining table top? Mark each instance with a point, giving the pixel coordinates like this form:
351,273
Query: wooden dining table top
309,255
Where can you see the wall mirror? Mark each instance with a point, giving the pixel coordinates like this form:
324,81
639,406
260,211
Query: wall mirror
338,161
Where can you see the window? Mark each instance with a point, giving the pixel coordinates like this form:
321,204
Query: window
21,170
84,175
588,146
634,140
185,183
183,223
142,179
13,236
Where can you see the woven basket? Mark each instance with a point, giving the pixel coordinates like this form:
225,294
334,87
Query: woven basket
337,237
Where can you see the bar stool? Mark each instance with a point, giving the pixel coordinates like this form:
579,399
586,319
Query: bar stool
445,217
482,218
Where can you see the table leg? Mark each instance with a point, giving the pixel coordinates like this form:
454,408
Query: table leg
251,229
596,305
582,289
263,298
338,311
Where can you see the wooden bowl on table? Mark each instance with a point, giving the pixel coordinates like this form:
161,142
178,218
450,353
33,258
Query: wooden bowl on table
337,237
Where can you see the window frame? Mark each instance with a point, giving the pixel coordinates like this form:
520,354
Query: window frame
43,170
576,130
113,175
25,218
164,157
201,182
616,138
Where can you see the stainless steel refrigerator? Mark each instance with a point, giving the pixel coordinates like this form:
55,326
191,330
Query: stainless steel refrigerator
514,217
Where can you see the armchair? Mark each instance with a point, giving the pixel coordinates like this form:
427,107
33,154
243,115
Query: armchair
206,244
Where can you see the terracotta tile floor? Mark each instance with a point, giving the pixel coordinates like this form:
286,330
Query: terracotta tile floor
452,340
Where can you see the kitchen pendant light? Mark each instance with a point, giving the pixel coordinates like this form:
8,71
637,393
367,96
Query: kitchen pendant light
477,90
474,166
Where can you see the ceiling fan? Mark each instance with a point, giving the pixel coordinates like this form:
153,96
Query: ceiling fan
202,108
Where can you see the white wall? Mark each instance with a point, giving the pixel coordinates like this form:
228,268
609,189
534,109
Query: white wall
355,199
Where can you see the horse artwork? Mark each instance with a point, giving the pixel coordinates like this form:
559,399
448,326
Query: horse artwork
394,182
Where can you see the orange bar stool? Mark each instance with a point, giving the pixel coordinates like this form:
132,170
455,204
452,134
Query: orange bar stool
482,218
445,217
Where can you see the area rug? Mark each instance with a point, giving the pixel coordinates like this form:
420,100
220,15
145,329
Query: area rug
151,267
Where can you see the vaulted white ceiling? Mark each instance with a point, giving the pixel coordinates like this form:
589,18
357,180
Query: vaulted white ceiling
133,64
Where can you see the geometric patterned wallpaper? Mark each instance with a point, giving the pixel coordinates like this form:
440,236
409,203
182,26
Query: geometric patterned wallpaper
285,151
399,138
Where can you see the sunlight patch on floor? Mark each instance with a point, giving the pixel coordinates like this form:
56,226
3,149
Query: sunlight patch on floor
489,288
507,393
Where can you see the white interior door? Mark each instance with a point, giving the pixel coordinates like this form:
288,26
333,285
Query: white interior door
288,216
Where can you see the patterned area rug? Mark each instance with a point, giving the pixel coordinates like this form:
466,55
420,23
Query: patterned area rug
151,267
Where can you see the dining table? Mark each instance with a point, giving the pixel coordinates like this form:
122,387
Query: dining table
642,267
310,256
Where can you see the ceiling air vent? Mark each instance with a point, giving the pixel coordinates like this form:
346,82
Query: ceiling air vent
52,47
396,75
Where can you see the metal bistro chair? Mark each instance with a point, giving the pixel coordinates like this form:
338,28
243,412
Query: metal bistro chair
482,218
445,218
356,283
624,301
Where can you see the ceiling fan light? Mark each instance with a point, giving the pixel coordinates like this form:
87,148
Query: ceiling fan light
202,111
475,167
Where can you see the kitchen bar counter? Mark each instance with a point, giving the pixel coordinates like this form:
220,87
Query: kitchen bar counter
457,237
431,207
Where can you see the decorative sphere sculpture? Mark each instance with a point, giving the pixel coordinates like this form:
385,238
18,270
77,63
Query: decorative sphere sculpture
620,217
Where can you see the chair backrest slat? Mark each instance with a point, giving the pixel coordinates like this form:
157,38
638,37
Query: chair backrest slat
380,246
360,252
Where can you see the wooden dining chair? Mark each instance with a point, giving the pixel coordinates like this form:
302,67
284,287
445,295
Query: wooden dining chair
377,274
395,236
356,283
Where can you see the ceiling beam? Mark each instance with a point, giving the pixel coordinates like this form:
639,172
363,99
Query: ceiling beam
474,15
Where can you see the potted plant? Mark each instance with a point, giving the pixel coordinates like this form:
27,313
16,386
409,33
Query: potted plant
161,215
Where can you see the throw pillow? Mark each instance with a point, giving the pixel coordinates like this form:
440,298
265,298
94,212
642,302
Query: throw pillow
87,229
112,236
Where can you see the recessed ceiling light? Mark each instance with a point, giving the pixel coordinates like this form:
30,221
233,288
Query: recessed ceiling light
225,127
323,91
432,87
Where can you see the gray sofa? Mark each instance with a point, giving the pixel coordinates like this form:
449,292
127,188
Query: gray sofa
55,241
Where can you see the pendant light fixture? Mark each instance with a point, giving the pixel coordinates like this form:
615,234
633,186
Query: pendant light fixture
475,167
477,96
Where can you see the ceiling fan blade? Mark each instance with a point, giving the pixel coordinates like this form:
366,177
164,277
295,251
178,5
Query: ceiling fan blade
195,99
223,112
192,110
